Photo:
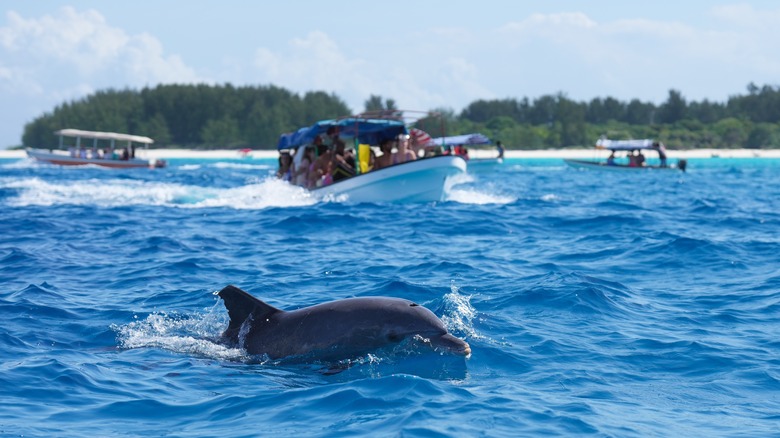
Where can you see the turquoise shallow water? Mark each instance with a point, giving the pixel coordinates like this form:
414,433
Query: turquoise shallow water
603,304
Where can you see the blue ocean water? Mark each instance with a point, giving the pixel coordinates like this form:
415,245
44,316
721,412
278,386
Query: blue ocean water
601,304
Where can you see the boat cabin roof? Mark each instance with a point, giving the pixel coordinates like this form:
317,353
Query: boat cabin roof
367,130
624,145
465,139
97,135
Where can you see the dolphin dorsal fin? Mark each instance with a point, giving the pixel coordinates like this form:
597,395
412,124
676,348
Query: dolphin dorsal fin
240,305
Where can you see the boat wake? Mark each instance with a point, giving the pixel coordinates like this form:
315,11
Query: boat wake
460,188
226,165
255,195
478,197
266,193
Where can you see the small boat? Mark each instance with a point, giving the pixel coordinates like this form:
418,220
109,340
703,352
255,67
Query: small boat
417,180
630,159
106,149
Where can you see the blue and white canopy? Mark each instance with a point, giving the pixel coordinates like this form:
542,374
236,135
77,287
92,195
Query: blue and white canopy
465,139
624,145
367,130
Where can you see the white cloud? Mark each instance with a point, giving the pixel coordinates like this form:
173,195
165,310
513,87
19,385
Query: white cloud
73,47
66,55
560,27
314,62
644,57
414,81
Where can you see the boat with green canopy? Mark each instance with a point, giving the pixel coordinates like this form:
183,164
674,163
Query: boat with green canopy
628,156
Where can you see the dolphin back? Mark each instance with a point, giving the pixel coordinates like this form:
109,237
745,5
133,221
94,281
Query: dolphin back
240,306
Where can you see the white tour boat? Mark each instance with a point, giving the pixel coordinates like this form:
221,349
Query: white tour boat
105,149
417,180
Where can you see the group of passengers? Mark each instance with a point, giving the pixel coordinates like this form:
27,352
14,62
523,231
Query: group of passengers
327,160
100,154
637,159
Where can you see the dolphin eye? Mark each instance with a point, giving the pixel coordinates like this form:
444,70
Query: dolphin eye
414,305
394,337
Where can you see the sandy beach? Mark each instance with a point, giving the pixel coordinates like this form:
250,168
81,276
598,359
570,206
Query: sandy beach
541,153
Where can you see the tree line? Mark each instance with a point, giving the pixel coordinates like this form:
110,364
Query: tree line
224,116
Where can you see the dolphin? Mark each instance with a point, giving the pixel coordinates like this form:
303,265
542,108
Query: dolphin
339,329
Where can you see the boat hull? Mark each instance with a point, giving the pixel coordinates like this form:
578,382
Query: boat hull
62,159
599,165
421,180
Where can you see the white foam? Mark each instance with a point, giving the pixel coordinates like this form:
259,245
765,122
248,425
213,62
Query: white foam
477,197
247,166
25,163
269,192
470,194
459,314
193,334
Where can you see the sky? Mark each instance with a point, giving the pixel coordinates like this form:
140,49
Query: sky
424,54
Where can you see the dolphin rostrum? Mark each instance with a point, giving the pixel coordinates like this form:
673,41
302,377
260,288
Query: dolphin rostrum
338,329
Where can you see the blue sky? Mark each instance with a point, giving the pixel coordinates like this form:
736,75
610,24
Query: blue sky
424,54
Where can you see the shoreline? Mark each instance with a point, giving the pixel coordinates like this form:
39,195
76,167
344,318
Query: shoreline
475,153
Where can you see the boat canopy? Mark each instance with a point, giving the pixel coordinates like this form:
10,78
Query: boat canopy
624,145
367,130
455,140
97,135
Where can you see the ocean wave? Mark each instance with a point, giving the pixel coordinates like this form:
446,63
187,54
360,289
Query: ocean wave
120,193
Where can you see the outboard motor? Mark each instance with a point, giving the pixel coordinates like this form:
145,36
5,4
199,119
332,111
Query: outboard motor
682,164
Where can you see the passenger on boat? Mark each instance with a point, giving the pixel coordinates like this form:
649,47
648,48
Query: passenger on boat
405,153
285,166
386,159
632,159
658,146
640,159
342,163
371,159
319,172
500,148
611,159
332,135
301,171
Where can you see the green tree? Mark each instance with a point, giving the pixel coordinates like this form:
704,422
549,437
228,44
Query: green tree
674,109
763,135
221,132
374,103
732,132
